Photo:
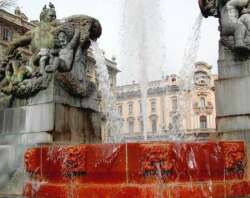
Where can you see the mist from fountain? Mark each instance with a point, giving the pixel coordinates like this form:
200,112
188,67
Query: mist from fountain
112,117
186,75
142,45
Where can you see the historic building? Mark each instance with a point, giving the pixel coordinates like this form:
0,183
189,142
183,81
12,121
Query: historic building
167,104
13,26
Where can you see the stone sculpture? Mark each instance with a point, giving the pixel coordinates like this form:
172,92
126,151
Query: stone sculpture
232,87
57,47
48,96
234,16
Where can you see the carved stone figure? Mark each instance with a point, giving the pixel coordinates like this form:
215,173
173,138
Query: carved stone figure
234,21
16,71
57,48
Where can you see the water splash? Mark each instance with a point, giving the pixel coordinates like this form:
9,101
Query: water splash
187,75
108,105
143,49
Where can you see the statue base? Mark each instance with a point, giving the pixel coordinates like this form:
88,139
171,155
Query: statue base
52,115
233,91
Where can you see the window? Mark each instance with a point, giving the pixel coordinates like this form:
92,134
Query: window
203,122
131,126
140,107
154,125
153,106
174,103
141,126
121,124
130,108
203,103
6,34
120,109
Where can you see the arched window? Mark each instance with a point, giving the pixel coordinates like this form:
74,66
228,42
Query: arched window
130,108
203,103
154,125
203,122
174,103
153,106
120,109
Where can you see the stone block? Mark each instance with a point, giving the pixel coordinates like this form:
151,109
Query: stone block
105,163
217,189
237,123
84,164
186,162
232,96
28,119
75,125
233,69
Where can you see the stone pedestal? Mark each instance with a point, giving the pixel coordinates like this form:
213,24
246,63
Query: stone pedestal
233,91
52,115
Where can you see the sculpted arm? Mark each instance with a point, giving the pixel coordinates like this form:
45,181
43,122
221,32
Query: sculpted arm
66,56
75,40
21,42
237,3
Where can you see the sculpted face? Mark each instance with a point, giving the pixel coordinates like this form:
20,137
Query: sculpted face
48,14
208,8
62,38
51,15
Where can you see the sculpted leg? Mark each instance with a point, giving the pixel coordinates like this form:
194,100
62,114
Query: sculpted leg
237,3
239,35
233,7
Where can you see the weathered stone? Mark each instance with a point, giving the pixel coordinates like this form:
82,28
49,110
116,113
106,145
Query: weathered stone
233,86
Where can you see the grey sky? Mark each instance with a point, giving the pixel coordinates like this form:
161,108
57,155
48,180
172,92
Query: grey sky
178,17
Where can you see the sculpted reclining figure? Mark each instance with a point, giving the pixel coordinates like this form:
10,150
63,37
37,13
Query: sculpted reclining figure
234,19
55,46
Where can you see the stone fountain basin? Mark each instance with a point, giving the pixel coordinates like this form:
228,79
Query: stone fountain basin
166,169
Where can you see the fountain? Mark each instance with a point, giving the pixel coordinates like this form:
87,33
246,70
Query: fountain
51,123
136,51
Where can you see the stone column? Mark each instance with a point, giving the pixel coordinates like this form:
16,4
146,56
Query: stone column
233,92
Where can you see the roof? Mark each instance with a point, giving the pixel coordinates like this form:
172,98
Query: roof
16,20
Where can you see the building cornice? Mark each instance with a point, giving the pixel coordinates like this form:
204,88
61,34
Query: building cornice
15,20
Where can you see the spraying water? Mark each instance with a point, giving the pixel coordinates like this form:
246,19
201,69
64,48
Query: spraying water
187,73
143,49
107,94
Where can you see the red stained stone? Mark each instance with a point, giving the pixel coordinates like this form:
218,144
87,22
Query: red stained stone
202,190
94,191
108,191
153,170
204,161
52,169
81,163
106,163
184,190
32,161
46,190
235,159
185,162
187,192
238,189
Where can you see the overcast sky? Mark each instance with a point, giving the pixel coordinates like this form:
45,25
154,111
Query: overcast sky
178,18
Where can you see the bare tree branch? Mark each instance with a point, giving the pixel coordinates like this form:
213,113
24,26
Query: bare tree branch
7,3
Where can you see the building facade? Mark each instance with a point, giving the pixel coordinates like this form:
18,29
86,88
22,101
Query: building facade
13,26
168,106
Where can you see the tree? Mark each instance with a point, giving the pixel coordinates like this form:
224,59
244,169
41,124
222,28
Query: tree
7,3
